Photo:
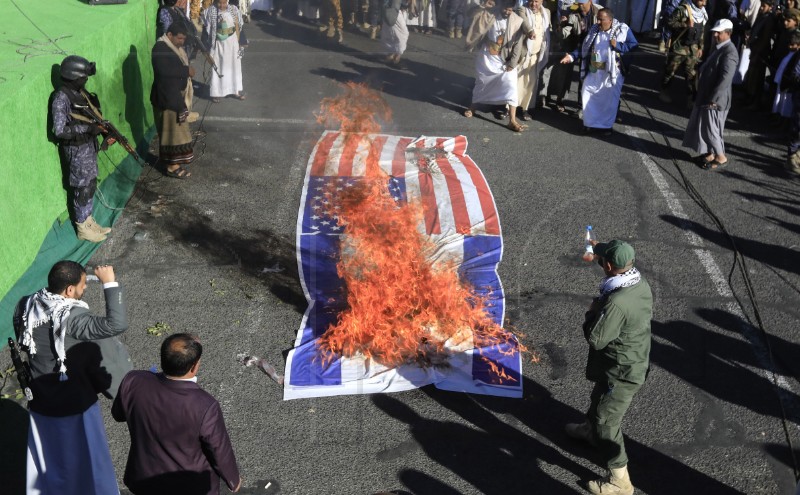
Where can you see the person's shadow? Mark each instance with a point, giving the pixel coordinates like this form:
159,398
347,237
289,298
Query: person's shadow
13,445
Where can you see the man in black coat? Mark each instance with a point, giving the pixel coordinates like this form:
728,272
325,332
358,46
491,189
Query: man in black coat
179,443
759,40
171,97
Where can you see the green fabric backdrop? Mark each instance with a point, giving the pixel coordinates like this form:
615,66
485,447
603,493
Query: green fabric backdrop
34,225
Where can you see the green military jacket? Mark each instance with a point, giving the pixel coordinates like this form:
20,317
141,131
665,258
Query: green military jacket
618,332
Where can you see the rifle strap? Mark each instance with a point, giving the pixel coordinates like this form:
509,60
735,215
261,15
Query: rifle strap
95,110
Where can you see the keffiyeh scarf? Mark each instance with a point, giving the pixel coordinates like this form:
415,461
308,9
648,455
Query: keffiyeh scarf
627,279
212,16
619,32
699,14
42,307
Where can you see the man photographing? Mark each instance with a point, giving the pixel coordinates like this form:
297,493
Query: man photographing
617,328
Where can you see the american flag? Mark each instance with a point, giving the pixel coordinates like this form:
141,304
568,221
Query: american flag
460,217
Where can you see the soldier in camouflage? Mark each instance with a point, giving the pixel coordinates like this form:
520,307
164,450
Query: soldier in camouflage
77,143
688,23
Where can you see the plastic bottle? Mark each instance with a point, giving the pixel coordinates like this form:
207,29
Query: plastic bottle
588,250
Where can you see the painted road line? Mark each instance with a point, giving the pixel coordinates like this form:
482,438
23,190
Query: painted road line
711,267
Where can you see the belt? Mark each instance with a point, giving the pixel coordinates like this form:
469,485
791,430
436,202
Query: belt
595,66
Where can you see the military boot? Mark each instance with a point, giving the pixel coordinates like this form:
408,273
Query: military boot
86,233
793,163
458,33
96,226
616,483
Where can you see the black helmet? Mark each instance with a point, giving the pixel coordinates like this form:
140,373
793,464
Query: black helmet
75,67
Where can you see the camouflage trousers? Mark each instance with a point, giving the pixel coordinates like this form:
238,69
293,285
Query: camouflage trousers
83,200
689,57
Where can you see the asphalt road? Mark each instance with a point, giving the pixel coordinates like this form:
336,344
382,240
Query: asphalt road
215,255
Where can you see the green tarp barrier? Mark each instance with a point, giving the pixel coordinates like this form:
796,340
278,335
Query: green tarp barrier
34,225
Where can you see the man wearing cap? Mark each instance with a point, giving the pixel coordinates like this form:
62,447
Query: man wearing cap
77,142
617,328
713,101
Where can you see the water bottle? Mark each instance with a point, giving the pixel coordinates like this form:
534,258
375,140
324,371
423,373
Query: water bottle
588,250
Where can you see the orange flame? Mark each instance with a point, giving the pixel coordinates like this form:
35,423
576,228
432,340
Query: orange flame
402,308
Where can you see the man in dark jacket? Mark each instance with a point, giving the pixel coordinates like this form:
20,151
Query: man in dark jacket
617,328
179,443
759,40
171,96
73,356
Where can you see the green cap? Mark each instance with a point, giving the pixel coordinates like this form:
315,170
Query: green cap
619,253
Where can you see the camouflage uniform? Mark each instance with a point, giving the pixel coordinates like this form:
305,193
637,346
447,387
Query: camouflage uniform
77,143
685,49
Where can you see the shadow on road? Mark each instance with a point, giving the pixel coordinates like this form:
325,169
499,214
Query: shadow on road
490,451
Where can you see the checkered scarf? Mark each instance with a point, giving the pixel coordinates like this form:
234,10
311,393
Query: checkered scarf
42,307
627,279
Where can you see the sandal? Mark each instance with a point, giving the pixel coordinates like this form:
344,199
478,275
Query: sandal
715,165
468,113
514,127
524,116
178,173
240,97
702,159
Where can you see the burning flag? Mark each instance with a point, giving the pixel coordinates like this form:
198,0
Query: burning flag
380,214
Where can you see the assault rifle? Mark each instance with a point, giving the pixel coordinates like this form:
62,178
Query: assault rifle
206,53
91,114
24,375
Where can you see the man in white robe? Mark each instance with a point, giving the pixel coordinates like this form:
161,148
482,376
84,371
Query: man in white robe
535,53
602,70
222,27
394,31
497,33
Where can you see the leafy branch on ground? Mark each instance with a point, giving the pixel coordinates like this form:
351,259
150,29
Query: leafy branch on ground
159,329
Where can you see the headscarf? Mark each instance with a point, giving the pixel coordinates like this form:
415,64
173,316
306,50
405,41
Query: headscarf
42,307
212,14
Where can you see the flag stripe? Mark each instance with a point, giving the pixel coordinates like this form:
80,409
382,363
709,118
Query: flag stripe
374,154
484,196
399,161
427,192
457,201
351,145
473,205
322,152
